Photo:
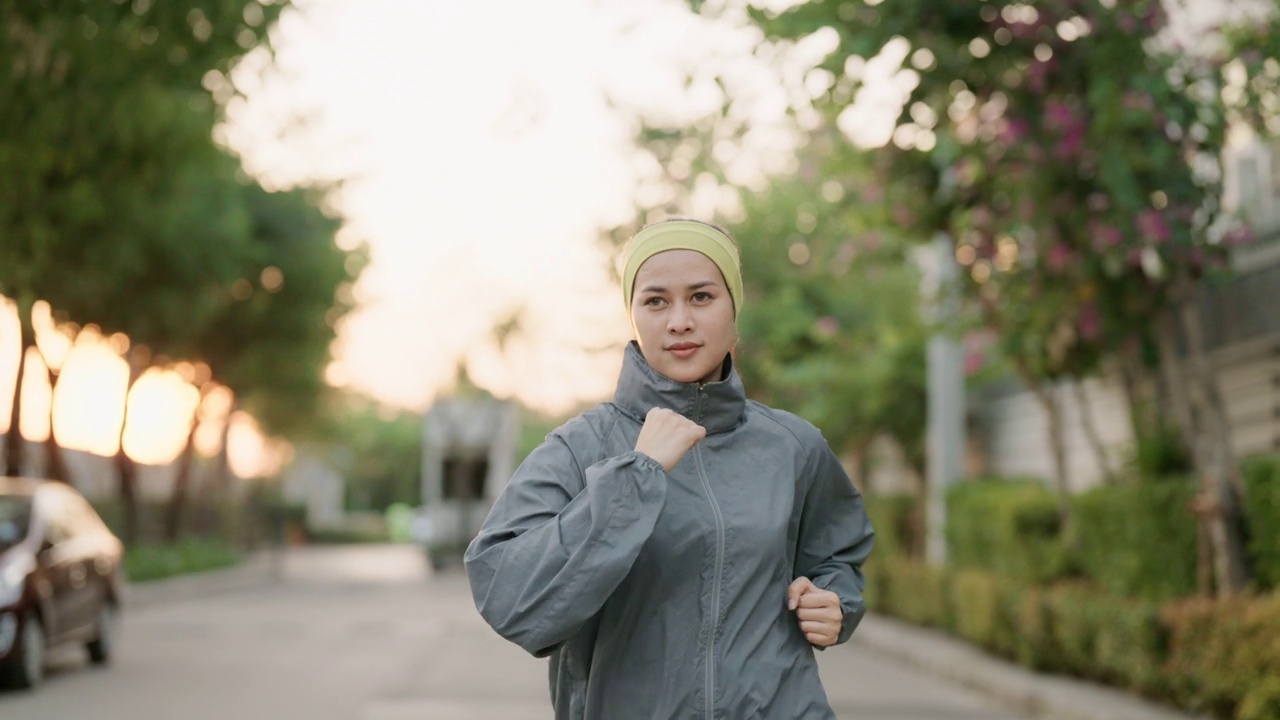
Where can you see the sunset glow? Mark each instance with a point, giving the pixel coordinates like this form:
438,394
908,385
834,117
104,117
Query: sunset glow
88,404
162,406
86,408
249,453
212,416
36,398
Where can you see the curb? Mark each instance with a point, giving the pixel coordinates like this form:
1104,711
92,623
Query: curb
1055,697
256,570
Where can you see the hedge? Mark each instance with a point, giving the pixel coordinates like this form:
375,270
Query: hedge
1262,513
1139,539
896,519
1007,526
1204,656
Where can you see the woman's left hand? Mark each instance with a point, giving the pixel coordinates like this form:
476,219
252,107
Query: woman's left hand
818,610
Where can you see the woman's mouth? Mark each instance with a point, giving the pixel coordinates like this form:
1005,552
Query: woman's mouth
683,350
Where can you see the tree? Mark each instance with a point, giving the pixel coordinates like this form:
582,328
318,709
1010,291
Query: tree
114,201
833,327
1072,153
271,343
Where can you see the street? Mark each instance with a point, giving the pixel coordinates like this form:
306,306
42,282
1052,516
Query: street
366,633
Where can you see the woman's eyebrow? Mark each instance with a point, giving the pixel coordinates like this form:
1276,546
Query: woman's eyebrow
692,286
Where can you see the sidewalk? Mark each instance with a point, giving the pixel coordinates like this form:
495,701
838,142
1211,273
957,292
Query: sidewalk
1053,697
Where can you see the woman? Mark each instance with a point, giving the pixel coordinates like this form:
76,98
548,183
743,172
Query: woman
679,551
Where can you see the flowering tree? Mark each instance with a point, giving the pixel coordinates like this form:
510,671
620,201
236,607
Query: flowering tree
1072,152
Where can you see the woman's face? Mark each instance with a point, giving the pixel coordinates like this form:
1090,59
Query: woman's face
683,315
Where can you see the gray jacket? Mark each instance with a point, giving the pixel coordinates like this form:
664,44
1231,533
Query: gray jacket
663,595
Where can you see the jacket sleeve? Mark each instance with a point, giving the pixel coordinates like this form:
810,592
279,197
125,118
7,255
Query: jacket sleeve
559,540
835,534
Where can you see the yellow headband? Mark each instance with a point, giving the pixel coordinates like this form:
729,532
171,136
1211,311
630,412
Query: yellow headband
682,235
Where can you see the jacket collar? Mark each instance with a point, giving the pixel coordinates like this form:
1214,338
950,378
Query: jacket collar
717,406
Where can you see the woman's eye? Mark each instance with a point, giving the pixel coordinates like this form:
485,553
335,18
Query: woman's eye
652,301
701,297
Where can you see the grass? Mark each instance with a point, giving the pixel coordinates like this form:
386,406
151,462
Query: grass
152,562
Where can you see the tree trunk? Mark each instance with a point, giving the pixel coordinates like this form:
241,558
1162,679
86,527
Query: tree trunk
127,472
861,457
126,469
1053,409
1224,487
13,439
55,463
1178,402
181,484
1046,394
1192,391
1145,411
230,523
1091,431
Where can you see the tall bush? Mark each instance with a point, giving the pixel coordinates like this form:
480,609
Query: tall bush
1139,539
1011,527
1262,513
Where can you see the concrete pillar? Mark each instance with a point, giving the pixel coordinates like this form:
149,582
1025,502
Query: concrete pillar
946,408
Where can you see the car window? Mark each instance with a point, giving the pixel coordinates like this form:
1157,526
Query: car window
15,517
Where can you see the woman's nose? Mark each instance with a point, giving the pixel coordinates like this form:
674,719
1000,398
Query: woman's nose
680,319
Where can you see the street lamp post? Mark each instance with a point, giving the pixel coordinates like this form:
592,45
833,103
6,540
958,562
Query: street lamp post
945,363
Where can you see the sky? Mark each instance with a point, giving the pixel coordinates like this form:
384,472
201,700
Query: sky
482,158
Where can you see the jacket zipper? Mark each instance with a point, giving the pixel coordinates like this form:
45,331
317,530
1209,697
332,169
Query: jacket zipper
715,594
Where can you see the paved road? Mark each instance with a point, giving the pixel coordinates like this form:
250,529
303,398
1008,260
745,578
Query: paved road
364,633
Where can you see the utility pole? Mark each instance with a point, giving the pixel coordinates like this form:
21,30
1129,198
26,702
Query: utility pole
946,411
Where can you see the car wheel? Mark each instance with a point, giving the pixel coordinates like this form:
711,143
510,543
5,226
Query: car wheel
25,668
103,642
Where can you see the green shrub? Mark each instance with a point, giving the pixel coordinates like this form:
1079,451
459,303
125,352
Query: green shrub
897,521
1072,623
985,606
1207,656
1224,656
1139,539
1010,527
1160,455
1262,513
913,591
1030,617
151,562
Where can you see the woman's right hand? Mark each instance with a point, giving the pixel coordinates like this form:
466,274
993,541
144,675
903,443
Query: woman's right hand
666,436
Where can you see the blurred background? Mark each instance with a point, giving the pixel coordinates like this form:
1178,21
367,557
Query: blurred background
318,273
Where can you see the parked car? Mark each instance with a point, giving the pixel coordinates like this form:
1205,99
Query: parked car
60,577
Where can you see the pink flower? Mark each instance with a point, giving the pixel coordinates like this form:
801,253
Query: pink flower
1104,236
827,326
1239,236
1152,225
1071,144
1015,130
1089,323
1059,257
1058,115
1038,76
974,361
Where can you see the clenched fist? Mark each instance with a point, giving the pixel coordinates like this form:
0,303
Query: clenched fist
666,436
818,611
